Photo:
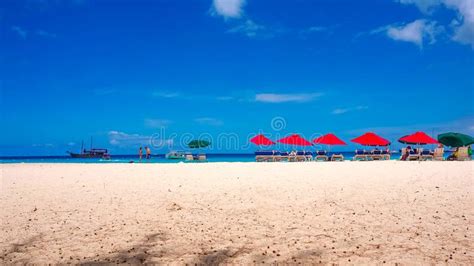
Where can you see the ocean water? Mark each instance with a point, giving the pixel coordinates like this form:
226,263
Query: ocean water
158,158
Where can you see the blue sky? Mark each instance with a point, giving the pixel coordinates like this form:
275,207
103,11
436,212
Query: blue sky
124,71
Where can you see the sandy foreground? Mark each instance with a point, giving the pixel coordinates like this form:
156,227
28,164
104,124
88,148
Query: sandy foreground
351,212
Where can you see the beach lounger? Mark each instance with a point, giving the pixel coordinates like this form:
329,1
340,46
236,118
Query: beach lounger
263,156
360,155
189,157
376,155
463,154
276,157
292,157
337,157
426,155
386,155
414,155
202,158
300,156
284,156
321,156
309,156
438,154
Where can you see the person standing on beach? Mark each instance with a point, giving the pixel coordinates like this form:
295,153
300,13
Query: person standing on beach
140,153
148,153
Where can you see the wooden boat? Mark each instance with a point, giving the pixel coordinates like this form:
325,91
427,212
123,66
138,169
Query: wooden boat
91,153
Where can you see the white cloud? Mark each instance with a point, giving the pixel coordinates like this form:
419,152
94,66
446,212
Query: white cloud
340,111
71,144
416,32
122,139
20,31
118,138
304,33
228,8
210,121
425,6
249,28
462,25
46,34
282,98
156,123
165,94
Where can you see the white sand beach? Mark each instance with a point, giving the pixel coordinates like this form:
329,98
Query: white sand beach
350,212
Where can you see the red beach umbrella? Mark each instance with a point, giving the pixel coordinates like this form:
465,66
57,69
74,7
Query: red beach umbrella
329,139
420,138
261,140
295,139
371,139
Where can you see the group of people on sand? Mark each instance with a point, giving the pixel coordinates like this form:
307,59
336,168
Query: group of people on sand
454,156
147,153
451,157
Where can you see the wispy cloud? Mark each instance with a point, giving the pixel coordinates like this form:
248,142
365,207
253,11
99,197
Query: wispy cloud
19,31
416,32
165,94
45,34
122,139
250,29
340,111
210,121
23,33
425,6
157,123
462,25
283,98
228,8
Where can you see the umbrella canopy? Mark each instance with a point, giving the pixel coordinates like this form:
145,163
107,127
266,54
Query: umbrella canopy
455,139
329,139
261,140
194,144
295,139
371,139
420,138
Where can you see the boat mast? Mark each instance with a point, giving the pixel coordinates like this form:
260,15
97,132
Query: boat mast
91,142
82,146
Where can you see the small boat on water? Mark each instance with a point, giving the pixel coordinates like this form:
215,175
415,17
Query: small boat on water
176,155
91,153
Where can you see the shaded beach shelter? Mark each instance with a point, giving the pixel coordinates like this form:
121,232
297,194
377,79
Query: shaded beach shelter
195,144
418,138
455,139
371,139
261,140
296,140
329,139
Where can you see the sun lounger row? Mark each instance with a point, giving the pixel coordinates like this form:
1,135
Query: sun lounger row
422,155
276,156
461,154
376,155
299,156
